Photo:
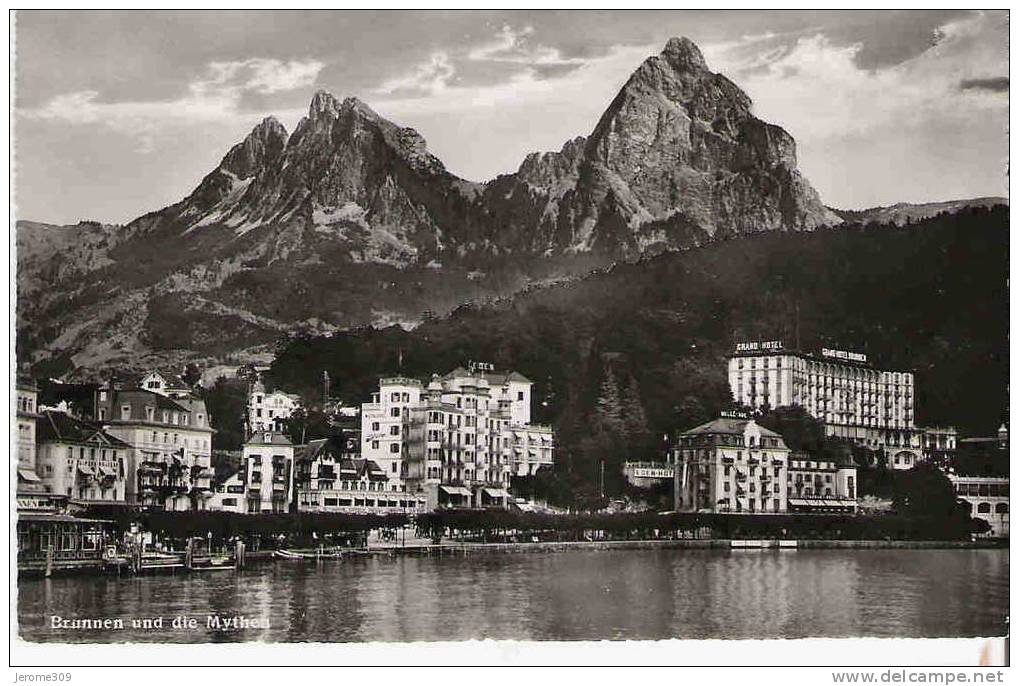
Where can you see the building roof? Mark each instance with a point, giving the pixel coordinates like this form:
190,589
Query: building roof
348,468
172,378
500,378
274,438
493,378
59,427
325,447
226,463
139,398
728,425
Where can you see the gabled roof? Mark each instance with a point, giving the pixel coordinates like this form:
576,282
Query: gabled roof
173,379
59,427
364,466
322,447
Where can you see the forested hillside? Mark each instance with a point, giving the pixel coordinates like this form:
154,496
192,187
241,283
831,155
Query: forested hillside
626,355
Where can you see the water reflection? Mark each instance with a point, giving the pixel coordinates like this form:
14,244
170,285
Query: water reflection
651,594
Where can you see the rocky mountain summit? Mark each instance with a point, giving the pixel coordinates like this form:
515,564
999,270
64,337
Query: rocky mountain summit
350,220
678,155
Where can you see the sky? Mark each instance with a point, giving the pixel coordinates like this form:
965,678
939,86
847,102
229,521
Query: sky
120,113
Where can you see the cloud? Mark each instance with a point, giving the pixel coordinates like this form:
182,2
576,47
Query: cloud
997,84
215,97
511,45
899,126
429,78
260,75
817,89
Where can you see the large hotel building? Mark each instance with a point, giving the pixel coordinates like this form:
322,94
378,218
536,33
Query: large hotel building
457,439
854,400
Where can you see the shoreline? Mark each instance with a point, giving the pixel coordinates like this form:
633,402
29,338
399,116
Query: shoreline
468,548
680,543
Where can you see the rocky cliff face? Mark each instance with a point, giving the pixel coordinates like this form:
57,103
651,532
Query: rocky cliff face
350,220
677,156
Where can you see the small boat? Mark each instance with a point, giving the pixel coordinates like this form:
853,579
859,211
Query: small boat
308,555
213,564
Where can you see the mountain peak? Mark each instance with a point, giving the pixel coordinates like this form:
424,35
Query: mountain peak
269,127
682,53
260,148
323,103
358,106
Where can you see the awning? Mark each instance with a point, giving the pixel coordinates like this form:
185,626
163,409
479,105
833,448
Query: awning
28,475
821,502
455,490
86,470
497,492
106,471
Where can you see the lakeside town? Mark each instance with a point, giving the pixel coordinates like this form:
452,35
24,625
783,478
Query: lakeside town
129,480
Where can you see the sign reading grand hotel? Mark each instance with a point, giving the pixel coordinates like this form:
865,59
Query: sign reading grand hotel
844,355
757,346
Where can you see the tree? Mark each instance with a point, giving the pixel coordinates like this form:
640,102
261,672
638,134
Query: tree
192,374
925,491
634,418
609,410
227,404
800,430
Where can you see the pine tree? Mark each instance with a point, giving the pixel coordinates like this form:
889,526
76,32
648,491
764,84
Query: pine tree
609,410
635,418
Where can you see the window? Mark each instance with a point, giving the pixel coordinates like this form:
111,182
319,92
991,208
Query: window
375,426
394,447
375,445
229,502
1001,508
520,395
394,430
984,508
394,412
125,412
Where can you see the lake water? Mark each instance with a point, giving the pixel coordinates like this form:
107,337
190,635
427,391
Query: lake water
580,594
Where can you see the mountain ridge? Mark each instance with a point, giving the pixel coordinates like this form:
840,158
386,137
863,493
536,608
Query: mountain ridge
349,220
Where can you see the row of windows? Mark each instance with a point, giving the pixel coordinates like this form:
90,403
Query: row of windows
985,490
196,443
830,370
352,485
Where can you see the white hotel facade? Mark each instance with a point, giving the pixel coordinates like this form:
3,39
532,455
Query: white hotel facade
855,401
458,439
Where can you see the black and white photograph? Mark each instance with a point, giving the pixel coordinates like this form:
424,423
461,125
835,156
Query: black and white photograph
535,327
